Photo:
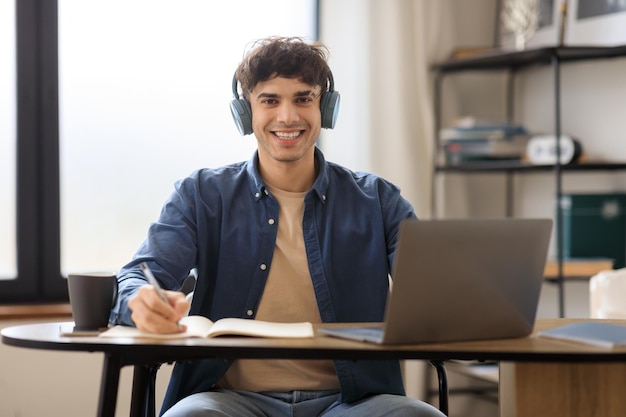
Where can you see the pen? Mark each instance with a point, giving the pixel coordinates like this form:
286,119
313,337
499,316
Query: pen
152,280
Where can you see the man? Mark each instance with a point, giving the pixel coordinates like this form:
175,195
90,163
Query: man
285,237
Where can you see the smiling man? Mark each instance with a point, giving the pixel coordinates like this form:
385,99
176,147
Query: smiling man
284,237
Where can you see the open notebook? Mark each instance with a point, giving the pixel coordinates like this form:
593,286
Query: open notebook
457,280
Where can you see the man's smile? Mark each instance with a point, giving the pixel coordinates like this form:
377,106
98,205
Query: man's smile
288,135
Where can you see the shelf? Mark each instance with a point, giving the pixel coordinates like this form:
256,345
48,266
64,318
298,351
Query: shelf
29,311
499,59
518,166
513,62
577,268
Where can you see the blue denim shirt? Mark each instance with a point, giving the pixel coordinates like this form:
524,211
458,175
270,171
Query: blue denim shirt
224,223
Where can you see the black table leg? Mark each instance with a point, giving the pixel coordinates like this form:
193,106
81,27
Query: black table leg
109,384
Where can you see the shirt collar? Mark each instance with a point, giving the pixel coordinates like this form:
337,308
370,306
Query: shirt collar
259,188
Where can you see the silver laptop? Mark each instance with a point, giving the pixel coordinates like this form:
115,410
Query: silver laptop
456,280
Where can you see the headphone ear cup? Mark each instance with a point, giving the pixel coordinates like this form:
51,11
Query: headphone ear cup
242,114
329,107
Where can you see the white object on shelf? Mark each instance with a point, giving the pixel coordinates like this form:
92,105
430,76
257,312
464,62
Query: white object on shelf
541,150
607,294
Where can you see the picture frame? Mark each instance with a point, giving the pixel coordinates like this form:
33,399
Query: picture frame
596,22
547,35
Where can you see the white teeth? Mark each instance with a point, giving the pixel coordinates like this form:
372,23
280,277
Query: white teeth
289,135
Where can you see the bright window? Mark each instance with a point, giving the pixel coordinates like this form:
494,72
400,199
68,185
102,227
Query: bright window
8,253
144,89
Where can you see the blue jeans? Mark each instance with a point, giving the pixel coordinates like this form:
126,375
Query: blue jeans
227,403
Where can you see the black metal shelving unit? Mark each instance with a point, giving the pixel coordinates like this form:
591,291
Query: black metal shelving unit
512,62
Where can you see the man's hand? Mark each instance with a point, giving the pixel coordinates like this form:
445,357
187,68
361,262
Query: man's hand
153,315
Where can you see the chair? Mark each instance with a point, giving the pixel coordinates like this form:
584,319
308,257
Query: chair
442,379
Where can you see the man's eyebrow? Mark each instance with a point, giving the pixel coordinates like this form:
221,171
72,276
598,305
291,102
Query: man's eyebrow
304,93
267,95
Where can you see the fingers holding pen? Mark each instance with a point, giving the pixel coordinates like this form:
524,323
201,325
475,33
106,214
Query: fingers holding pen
152,314
166,310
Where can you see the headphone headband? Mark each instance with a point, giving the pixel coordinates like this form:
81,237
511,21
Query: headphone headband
331,82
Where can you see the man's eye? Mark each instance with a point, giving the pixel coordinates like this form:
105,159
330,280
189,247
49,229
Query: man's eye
302,100
269,101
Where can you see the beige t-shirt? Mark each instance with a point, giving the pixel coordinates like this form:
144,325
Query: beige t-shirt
288,297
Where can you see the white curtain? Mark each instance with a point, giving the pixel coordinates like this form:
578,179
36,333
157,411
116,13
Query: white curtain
381,51
402,43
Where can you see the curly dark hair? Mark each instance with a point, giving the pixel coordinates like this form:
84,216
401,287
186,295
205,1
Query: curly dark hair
289,57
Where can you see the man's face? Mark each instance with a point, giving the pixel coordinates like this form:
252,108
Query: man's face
286,118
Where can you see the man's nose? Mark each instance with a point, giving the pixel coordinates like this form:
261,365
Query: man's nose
287,113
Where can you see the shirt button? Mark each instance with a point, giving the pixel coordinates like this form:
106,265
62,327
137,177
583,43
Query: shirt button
257,195
249,313
266,192
323,198
263,267
271,221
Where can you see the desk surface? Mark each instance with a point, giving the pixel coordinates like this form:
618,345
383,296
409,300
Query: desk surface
539,372
530,349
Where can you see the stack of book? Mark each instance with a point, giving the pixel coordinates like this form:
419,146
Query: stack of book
471,140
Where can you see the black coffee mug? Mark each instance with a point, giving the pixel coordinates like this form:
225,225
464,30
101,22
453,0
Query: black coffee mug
92,295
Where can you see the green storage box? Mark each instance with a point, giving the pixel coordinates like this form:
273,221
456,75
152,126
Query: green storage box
594,226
